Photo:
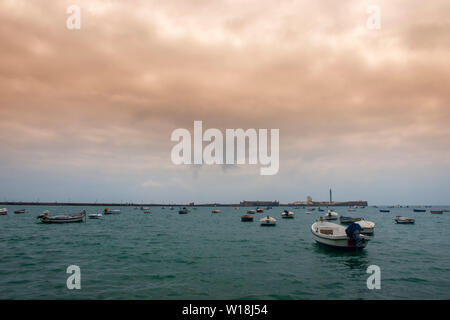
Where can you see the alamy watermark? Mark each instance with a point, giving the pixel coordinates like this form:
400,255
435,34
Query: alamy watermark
74,280
213,153
374,280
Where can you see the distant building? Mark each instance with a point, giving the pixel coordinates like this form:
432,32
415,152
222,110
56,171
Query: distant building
309,200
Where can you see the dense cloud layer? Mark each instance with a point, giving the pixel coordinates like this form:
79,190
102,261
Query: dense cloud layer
357,109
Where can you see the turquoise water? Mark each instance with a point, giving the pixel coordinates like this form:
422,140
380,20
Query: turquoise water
164,255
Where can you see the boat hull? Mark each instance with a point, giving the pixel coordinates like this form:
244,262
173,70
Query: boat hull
62,220
338,243
404,222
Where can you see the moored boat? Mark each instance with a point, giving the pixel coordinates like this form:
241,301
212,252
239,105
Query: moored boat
95,216
20,211
287,214
268,222
403,220
347,220
259,210
385,210
74,217
367,226
183,211
251,211
436,211
3,212
420,210
331,215
147,211
246,218
334,235
108,211
215,211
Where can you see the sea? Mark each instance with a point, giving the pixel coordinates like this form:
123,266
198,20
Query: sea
200,255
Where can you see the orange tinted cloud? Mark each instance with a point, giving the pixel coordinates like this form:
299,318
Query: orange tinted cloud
111,93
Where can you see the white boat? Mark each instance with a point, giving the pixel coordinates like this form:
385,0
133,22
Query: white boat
287,214
268,221
367,226
95,216
73,217
215,211
403,220
331,215
3,211
107,211
251,211
334,235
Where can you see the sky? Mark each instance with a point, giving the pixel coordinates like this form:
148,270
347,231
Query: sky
87,115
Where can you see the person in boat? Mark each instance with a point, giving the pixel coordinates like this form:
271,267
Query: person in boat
353,232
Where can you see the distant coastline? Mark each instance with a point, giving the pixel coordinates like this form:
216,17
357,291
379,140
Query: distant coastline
246,204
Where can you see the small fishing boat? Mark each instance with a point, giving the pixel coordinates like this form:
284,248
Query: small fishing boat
216,211
385,210
287,214
367,226
147,211
308,212
95,216
403,220
320,209
420,210
20,211
268,222
259,210
74,217
183,211
347,220
251,211
108,211
247,218
436,211
331,215
3,212
337,236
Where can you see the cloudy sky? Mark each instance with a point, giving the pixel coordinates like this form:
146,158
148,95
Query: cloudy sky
87,114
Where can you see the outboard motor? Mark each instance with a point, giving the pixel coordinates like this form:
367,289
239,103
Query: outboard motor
353,231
